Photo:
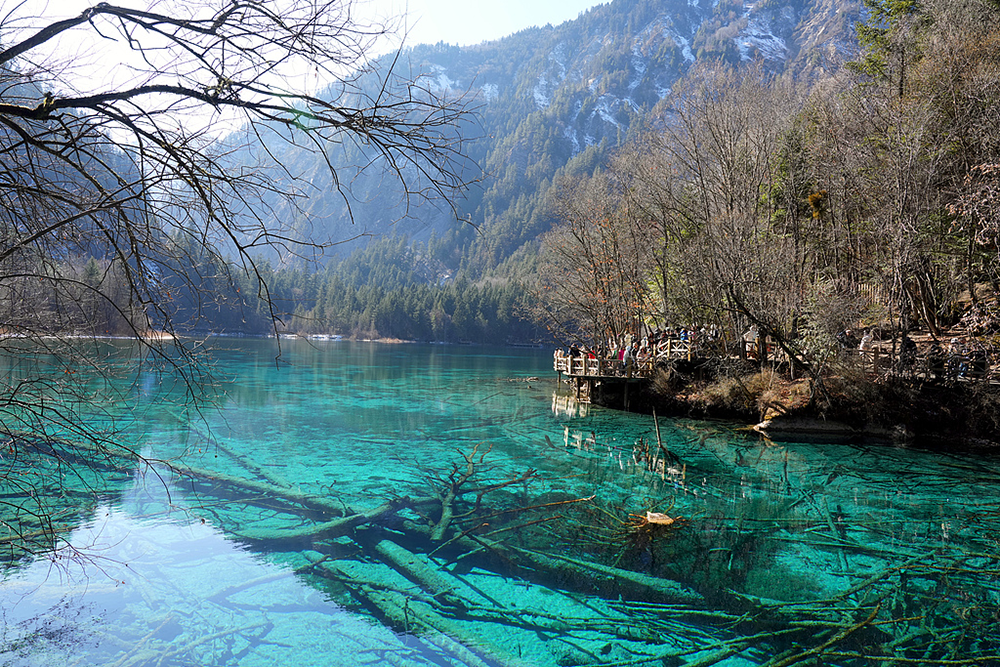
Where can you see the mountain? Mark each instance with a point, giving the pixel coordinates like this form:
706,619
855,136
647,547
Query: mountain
556,100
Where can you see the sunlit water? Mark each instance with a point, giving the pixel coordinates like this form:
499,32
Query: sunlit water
777,549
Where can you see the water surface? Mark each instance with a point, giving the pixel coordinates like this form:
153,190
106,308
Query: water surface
773,553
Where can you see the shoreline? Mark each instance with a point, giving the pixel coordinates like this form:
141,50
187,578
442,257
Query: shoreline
940,416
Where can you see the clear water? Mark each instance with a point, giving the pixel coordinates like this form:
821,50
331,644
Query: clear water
781,553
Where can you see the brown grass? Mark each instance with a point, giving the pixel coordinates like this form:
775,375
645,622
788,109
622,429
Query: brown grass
757,394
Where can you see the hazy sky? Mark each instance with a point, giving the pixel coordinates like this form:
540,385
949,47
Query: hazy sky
466,22
93,63
460,22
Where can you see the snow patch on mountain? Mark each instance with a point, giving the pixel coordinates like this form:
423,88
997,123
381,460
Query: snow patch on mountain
577,107
558,56
605,109
682,42
638,65
439,81
489,92
540,92
757,40
767,32
569,132
552,77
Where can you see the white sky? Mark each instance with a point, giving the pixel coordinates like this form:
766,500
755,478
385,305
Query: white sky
92,63
88,63
465,22
461,22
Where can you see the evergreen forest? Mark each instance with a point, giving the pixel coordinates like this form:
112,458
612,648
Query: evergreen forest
662,182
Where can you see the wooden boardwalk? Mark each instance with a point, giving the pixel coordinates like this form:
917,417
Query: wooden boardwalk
585,365
589,373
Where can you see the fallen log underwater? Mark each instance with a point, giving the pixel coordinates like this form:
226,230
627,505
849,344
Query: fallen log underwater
418,615
436,605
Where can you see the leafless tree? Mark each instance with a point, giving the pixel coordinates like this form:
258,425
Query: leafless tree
718,145
112,198
906,147
592,277
666,219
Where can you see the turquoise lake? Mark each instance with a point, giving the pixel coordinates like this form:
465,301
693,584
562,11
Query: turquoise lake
577,535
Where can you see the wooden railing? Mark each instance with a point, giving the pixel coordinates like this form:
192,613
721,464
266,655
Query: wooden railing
639,367
948,367
967,368
876,361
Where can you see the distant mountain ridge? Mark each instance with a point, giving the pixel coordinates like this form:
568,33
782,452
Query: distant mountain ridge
559,99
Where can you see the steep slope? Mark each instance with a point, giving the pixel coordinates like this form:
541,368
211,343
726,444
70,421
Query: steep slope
558,99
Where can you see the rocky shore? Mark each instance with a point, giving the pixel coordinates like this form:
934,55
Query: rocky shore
892,410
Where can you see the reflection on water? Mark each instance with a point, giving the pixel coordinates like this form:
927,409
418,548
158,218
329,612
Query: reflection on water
573,536
171,589
565,406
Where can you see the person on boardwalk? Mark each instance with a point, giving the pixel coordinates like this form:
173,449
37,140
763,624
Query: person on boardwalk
847,340
955,364
750,341
979,363
907,355
935,361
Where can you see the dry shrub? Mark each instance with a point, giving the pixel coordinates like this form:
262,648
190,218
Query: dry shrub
856,398
742,394
783,397
667,381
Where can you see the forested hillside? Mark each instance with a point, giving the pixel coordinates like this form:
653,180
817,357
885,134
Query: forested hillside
557,100
551,103
653,161
865,200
